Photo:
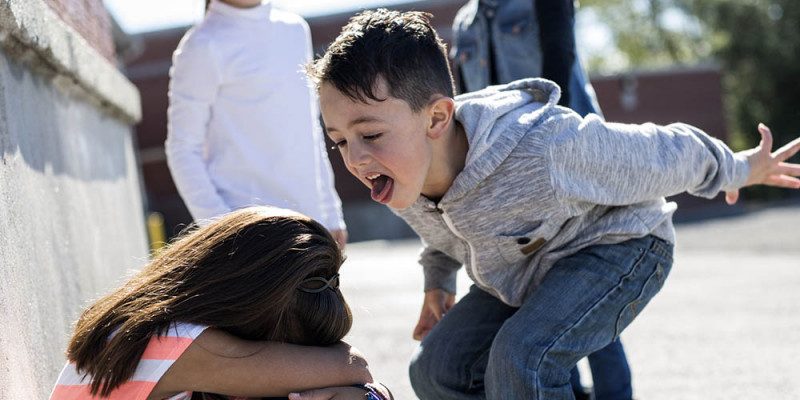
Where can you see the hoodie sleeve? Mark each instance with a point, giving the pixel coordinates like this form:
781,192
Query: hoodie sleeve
617,164
440,270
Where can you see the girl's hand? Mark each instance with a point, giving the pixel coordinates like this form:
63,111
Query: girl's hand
370,391
768,168
334,393
437,302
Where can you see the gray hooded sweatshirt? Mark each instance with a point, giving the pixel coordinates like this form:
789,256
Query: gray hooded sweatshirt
540,183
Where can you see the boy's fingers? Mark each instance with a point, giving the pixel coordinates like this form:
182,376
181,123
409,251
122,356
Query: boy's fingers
438,309
789,169
425,323
783,181
766,138
790,149
450,302
732,197
418,334
436,301
420,331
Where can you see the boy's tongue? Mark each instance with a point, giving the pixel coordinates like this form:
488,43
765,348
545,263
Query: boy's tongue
380,188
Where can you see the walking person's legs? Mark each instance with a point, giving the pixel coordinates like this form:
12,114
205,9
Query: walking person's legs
578,390
610,373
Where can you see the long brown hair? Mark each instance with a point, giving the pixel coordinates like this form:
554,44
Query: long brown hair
240,274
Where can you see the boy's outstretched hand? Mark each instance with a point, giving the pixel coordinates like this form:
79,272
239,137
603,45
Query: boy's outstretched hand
437,302
768,168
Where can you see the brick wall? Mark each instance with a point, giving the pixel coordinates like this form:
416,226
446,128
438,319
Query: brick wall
91,20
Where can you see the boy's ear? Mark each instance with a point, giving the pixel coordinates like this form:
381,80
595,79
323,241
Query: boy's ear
440,113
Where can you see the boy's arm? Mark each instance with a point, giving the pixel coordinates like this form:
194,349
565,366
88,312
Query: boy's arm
194,79
217,362
440,270
440,287
616,164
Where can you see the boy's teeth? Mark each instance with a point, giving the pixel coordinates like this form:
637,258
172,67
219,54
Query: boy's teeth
373,176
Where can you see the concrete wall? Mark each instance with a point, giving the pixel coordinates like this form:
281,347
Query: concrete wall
71,218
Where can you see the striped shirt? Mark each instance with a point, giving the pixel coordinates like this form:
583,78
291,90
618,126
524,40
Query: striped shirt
158,356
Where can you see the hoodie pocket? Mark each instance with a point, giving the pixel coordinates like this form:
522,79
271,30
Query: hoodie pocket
517,247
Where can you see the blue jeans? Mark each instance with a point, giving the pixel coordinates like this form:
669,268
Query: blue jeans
611,374
483,348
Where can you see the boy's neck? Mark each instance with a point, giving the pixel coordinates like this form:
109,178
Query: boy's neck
449,158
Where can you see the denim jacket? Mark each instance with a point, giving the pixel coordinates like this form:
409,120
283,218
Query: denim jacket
516,49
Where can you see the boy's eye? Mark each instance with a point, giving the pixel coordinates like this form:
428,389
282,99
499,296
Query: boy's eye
338,145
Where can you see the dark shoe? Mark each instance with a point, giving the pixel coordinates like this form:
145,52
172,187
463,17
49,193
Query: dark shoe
583,394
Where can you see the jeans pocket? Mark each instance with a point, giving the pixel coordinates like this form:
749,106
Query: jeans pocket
652,285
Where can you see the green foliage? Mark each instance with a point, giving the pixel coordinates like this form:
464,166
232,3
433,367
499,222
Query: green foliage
755,42
649,34
759,50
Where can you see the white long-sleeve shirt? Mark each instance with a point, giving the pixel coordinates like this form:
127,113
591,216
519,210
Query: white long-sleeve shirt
243,122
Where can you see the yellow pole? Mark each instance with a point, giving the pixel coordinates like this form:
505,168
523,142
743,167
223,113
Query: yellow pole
155,227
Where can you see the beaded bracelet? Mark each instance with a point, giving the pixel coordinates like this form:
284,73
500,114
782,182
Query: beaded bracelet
373,393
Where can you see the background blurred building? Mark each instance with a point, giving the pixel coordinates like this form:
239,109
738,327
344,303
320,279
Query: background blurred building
687,95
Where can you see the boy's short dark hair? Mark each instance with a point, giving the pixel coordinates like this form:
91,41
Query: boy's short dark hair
400,47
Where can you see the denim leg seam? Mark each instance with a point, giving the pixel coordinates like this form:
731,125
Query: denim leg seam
656,271
583,315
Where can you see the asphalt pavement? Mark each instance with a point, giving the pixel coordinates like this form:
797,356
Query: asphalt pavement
725,326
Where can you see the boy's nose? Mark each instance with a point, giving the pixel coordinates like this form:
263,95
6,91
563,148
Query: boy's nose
357,155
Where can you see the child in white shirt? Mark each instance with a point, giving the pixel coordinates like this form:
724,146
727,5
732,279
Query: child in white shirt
243,127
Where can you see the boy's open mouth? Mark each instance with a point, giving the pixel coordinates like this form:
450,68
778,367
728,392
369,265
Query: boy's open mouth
381,187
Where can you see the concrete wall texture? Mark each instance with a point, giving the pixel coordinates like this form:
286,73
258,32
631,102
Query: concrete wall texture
71,218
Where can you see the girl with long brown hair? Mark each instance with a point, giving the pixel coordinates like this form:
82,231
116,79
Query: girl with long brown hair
246,306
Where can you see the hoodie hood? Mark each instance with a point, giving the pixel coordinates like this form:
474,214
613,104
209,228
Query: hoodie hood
495,119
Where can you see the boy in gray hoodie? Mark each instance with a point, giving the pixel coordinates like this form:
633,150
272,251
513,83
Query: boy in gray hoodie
559,220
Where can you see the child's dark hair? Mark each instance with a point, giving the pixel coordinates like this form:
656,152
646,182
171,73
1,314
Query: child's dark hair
400,47
244,274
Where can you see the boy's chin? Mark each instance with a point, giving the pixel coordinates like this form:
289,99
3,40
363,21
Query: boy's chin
400,204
